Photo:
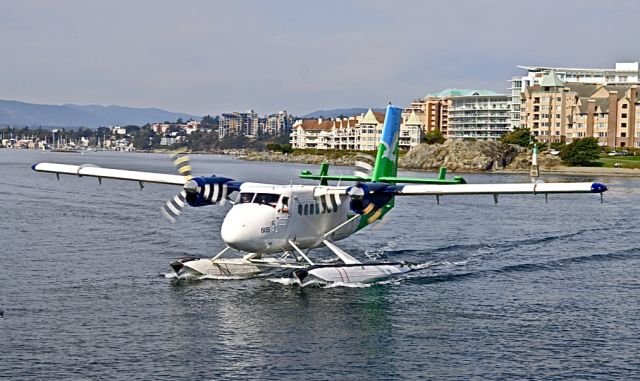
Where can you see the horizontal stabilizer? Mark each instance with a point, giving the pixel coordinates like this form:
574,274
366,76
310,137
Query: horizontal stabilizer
418,180
109,173
309,176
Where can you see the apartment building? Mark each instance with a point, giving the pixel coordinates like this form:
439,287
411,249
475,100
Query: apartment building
622,73
238,123
433,110
477,116
278,124
360,132
557,111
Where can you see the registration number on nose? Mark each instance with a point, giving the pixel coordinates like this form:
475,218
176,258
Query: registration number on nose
265,229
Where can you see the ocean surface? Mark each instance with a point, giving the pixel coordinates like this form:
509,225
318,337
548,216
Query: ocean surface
519,290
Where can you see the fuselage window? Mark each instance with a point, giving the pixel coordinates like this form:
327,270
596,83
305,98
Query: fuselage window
317,209
267,199
300,209
245,198
310,208
306,209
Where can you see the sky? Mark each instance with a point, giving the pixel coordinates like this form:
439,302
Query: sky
210,57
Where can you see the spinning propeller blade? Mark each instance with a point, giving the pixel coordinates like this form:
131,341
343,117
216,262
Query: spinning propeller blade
363,166
174,206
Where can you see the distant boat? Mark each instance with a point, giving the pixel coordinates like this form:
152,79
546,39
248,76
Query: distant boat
65,150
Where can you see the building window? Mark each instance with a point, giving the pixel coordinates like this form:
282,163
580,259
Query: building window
624,115
623,134
624,105
623,125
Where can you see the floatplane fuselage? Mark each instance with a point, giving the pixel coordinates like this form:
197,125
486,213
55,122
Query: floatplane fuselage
276,226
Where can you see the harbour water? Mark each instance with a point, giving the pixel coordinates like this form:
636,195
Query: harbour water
519,290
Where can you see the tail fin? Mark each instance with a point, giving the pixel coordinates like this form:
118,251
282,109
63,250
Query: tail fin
387,159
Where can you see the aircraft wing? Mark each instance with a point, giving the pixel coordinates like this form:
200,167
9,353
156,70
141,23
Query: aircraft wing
495,189
110,173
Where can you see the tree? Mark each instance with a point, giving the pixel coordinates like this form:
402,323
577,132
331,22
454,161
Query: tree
208,120
434,137
203,141
519,136
284,148
581,151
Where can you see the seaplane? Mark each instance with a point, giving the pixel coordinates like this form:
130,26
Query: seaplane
275,227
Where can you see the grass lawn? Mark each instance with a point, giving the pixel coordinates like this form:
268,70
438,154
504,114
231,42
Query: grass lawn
625,161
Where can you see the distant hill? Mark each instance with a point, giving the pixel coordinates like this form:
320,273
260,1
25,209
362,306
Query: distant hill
340,111
70,115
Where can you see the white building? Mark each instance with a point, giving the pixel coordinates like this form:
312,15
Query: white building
622,73
360,132
484,117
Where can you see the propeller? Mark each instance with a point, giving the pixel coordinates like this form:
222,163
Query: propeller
174,206
363,165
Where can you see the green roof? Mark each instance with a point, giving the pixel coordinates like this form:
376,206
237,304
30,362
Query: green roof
551,80
461,92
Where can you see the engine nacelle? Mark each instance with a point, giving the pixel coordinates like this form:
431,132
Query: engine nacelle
367,197
202,191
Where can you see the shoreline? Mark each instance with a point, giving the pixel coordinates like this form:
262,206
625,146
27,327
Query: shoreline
577,171
348,161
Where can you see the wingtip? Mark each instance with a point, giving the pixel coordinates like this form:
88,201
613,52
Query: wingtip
598,188
33,167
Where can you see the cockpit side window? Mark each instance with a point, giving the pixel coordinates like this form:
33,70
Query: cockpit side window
245,198
284,208
267,199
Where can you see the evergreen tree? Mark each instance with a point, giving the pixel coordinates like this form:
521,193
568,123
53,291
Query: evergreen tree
581,151
519,136
434,137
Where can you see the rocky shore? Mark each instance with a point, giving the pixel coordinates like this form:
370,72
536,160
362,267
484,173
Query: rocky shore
459,156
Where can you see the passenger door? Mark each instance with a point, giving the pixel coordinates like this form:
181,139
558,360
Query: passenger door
282,213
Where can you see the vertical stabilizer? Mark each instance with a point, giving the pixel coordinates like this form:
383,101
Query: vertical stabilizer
387,158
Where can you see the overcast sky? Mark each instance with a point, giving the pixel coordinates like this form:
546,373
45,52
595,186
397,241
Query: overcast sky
208,57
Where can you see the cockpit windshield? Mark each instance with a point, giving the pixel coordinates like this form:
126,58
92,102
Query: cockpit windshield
267,199
245,198
259,198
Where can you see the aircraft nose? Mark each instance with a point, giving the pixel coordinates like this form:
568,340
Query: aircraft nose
247,226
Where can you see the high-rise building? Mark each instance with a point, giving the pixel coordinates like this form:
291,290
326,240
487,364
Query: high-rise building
479,116
228,124
433,110
622,73
238,123
279,124
248,123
